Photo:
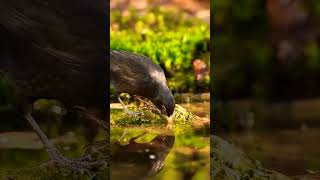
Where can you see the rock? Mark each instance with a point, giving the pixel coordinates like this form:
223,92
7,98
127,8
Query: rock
229,163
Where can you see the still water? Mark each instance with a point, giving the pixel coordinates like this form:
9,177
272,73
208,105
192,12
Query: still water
289,151
159,154
154,151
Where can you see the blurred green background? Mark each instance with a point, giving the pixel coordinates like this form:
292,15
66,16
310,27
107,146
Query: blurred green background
171,37
266,80
248,41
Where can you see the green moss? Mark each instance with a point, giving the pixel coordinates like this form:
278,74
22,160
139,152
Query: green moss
181,116
119,117
170,38
228,162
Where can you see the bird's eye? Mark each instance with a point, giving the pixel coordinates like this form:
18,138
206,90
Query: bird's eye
163,108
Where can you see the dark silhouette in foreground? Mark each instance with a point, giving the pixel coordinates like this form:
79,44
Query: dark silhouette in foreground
55,49
139,75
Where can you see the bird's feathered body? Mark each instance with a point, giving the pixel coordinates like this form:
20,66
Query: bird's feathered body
139,75
55,49
135,74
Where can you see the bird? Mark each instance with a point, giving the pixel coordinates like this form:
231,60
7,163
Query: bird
139,75
56,49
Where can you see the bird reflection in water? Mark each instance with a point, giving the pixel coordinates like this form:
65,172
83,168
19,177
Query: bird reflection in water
140,160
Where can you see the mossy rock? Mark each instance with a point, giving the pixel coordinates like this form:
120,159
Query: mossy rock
229,163
180,116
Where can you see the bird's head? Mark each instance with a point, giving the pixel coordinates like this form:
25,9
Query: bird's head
165,101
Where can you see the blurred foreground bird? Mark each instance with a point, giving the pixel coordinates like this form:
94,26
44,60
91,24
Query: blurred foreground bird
55,49
139,75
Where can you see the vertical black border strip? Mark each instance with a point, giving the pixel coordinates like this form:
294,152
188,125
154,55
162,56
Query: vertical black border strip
211,86
108,61
107,40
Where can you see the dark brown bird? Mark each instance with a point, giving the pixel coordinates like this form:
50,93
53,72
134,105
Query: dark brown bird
55,49
139,75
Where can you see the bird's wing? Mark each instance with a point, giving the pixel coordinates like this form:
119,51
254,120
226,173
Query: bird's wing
69,31
134,74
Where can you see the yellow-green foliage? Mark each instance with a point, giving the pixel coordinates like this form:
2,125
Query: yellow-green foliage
169,37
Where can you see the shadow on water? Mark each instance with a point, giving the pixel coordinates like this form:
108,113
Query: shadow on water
145,159
158,154
151,150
